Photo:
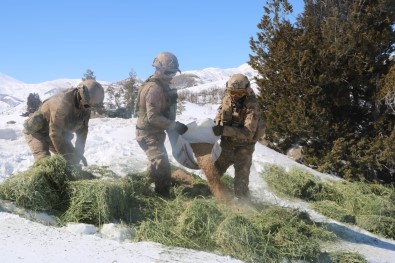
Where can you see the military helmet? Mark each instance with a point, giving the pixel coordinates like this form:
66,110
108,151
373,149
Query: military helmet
166,61
237,82
91,92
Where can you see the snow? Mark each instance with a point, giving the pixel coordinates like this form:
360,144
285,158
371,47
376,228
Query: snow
26,236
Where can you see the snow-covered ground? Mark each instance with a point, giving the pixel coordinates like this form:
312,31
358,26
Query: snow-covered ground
111,143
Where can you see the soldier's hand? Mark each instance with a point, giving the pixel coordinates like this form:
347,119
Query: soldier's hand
218,130
180,128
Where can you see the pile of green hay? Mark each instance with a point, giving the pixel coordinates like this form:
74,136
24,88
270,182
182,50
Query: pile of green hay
267,236
333,210
298,183
52,185
291,233
383,225
43,187
103,201
198,221
370,206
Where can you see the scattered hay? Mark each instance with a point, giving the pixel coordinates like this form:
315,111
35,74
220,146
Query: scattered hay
333,210
298,184
360,198
198,221
239,238
346,257
43,187
291,233
260,237
343,201
103,201
161,227
382,225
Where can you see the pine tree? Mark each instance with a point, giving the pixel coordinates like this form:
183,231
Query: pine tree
130,91
122,98
89,75
319,80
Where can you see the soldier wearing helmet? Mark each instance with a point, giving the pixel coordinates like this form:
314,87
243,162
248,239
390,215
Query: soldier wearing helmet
238,124
156,112
52,126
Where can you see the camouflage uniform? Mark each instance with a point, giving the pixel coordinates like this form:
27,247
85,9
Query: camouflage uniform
156,113
61,117
51,127
240,121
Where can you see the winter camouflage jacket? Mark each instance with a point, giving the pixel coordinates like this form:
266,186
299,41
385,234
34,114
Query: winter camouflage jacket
61,116
241,120
156,107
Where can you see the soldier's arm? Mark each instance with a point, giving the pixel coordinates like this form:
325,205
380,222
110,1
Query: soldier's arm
248,130
56,127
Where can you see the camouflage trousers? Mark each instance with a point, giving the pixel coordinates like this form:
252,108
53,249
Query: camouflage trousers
159,167
41,146
240,156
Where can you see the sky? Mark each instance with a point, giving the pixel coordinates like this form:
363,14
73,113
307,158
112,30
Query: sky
45,40
31,237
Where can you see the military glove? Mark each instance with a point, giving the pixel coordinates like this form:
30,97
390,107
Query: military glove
218,130
180,128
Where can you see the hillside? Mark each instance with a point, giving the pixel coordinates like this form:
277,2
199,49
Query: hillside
111,144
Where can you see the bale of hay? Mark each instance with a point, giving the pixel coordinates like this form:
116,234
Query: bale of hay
199,221
377,224
103,201
334,211
42,187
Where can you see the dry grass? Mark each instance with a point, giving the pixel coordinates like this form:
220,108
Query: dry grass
369,206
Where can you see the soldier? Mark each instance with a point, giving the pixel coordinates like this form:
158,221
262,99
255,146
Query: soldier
238,124
51,126
156,111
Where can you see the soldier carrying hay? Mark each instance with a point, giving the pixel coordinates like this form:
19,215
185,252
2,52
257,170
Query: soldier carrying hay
239,125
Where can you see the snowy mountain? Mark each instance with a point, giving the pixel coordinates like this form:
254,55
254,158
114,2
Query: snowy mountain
14,92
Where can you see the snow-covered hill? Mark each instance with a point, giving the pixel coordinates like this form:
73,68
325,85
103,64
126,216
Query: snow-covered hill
22,240
14,93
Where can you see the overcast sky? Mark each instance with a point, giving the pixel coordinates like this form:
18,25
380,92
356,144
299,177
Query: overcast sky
45,40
